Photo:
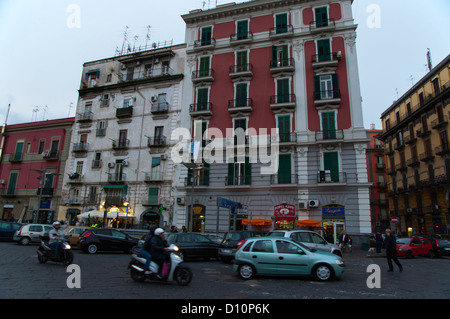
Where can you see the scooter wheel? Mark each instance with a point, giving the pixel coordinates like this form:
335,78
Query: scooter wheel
42,259
68,258
137,276
183,276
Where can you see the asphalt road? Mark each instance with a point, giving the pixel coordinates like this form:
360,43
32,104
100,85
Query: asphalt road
105,276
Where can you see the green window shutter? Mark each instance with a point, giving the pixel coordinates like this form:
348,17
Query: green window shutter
242,30
248,171
202,99
328,126
241,94
242,123
205,180
283,91
331,163
189,177
12,183
274,55
153,196
231,174
206,36
281,21
321,17
204,66
241,61
317,87
324,50
284,128
284,169
18,152
335,82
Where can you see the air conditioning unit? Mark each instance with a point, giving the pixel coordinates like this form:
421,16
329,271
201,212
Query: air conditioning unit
111,165
180,201
154,98
163,157
313,203
302,204
2,181
124,163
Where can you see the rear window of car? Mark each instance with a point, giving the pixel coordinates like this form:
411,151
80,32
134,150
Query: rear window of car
278,233
16,226
36,228
443,242
233,236
425,241
48,228
304,237
4,225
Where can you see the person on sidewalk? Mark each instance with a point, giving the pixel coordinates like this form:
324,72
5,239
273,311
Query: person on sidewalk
390,244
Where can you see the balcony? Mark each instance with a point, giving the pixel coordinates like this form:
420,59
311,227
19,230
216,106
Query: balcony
240,106
423,132
198,182
284,138
427,156
160,107
282,31
124,112
327,97
287,101
241,38
16,157
46,191
120,144
331,60
408,139
145,75
284,179
330,136
241,71
413,161
153,177
51,155
203,76
282,67
156,141
440,122
80,147
114,200
442,150
401,167
201,109
238,180
205,44
327,176
85,117
96,163
322,26
117,177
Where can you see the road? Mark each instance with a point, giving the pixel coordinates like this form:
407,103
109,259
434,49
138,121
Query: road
105,276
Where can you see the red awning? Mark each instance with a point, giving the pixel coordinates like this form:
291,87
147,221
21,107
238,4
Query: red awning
308,223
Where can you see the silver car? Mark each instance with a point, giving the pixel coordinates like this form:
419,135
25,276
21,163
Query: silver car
308,238
30,233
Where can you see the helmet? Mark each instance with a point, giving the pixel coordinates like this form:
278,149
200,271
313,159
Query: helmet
56,224
159,231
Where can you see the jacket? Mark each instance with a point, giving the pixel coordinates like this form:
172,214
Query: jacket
390,243
157,246
148,243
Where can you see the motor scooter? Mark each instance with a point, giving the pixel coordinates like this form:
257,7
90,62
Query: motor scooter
178,272
45,252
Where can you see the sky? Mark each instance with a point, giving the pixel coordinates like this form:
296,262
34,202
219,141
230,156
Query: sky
43,45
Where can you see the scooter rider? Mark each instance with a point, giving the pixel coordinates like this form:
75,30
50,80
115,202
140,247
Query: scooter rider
146,248
159,250
55,237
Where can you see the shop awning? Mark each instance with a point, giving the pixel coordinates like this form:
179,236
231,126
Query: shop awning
123,187
308,223
257,222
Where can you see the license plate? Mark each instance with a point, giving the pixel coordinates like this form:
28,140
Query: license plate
447,248
226,251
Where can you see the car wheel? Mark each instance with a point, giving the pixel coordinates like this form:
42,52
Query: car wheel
323,272
24,241
246,271
92,248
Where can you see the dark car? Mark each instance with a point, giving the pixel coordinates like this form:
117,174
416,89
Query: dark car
8,229
106,239
441,246
192,245
228,246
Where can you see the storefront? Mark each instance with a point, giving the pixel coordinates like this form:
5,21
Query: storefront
333,220
284,216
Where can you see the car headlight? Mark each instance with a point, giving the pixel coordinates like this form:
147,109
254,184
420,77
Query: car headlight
339,262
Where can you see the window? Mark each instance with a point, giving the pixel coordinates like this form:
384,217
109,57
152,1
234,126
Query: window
283,91
331,163
240,173
242,30
326,87
316,239
206,36
204,66
284,169
128,102
285,247
153,196
263,246
329,125
41,146
19,150
12,183
284,128
97,160
123,134
108,78
304,237
202,99
324,50
156,168
28,147
280,56
241,61
241,95
159,135
321,15
105,100
101,128
92,194
281,23
118,234
130,73
200,239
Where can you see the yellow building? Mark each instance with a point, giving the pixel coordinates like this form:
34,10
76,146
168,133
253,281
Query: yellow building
417,150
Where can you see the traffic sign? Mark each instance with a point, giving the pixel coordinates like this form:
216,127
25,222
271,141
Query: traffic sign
394,220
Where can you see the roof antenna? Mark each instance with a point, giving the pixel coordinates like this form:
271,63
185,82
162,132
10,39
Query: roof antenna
430,65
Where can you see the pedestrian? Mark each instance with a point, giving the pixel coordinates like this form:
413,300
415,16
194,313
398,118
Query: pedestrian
343,241
378,241
173,229
390,244
183,229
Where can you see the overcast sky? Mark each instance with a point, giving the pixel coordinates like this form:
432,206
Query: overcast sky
43,46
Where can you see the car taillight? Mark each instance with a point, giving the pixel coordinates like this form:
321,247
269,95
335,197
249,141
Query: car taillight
87,234
19,233
240,244
437,243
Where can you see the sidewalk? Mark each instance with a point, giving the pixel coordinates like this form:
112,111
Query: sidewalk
359,253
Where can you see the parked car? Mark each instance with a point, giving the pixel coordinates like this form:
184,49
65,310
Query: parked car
228,246
107,239
308,238
29,233
192,245
73,234
441,247
8,229
283,256
414,246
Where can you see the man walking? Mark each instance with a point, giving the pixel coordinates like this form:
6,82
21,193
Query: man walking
390,244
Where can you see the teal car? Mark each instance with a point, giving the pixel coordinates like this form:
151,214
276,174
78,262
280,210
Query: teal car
283,256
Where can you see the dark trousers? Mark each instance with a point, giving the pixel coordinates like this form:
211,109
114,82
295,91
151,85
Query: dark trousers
392,256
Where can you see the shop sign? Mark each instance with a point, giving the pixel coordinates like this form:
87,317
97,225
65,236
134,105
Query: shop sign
284,212
333,212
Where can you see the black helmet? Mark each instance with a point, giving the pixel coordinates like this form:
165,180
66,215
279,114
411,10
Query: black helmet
152,228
